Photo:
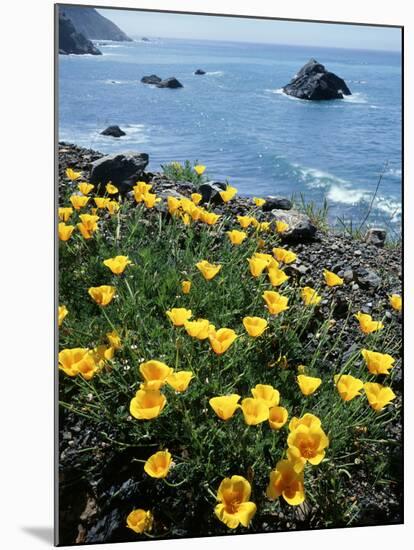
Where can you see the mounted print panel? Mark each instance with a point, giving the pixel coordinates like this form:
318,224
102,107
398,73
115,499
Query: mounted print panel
229,194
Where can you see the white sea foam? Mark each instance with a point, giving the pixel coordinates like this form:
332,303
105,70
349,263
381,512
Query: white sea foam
345,194
315,178
356,97
214,73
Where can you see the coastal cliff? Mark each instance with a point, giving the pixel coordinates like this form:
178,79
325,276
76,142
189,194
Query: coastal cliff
93,25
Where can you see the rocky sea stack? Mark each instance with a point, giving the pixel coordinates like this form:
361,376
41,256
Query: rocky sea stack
114,131
314,82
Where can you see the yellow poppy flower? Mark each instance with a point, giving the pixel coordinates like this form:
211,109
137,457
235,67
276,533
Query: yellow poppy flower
378,363
147,404
348,386
69,359
196,198
396,302
307,419
258,201
209,217
308,443
234,506
255,326
150,200
366,324
309,296
173,204
180,380
277,276
65,231
73,361
332,279
102,295
140,520
65,213
155,374
140,190
72,175
225,405
208,270
221,339
62,312
245,221
285,481
112,207
114,339
117,264
267,393
284,256
281,227
158,465
186,287
199,329
275,302
228,194
378,395
85,188
278,417
308,384
101,202
199,169
263,226
179,315
111,189
236,237
254,411
257,266
78,201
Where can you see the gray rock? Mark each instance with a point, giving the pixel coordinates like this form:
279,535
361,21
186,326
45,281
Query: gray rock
376,236
366,279
273,203
210,191
122,169
348,275
171,82
300,226
314,82
114,131
151,79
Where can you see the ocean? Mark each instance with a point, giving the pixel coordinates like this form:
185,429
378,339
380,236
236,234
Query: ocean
236,120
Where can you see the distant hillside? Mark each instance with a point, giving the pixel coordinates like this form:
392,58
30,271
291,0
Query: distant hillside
93,25
72,41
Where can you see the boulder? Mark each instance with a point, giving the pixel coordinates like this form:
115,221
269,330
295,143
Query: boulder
151,79
273,203
300,226
199,71
171,82
122,169
210,191
314,82
71,41
114,131
376,236
367,279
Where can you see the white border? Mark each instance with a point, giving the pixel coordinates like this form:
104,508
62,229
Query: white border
26,224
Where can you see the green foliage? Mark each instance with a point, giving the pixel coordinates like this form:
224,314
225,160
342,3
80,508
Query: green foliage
175,171
206,449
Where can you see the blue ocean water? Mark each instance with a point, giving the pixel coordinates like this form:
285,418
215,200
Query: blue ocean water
237,122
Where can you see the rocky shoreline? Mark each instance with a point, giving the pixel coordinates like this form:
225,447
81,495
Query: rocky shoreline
371,273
